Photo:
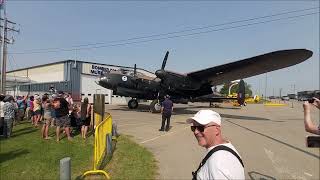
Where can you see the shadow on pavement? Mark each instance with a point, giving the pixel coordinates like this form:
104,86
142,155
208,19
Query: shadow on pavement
213,107
258,176
140,108
276,140
244,117
185,110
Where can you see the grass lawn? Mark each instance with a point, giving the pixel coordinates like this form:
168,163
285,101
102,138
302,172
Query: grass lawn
26,156
131,161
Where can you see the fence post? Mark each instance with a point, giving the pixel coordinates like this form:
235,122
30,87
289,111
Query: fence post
65,168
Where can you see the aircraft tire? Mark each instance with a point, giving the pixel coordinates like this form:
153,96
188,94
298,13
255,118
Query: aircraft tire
155,106
133,104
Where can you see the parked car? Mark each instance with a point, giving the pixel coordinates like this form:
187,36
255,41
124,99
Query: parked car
272,97
285,98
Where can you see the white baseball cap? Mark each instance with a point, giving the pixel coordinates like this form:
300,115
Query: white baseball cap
205,117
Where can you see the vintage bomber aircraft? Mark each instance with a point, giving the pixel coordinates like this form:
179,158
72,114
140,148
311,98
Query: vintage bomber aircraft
196,86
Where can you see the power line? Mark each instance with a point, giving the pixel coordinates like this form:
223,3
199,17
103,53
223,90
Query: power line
196,33
14,65
181,31
50,50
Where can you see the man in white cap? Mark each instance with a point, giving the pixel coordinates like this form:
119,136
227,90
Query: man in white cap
222,160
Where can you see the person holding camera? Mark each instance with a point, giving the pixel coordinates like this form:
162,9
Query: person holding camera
308,124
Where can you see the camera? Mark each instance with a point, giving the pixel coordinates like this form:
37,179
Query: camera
313,141
311,100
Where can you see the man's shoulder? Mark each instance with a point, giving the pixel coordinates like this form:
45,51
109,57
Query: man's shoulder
224,154
167,101
60,99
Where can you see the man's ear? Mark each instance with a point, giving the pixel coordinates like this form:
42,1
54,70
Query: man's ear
218,130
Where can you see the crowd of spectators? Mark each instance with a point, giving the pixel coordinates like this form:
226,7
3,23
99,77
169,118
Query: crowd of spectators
49,110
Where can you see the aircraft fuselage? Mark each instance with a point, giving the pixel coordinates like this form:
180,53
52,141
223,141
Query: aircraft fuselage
176,85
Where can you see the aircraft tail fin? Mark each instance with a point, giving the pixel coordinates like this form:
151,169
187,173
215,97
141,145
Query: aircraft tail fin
241,93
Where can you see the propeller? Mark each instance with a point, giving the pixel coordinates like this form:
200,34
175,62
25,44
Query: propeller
161,72
165,60
135,75
135,70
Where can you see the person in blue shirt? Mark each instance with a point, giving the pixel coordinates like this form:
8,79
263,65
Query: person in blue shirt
21,102
166,111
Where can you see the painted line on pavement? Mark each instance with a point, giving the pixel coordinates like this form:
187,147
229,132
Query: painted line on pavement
133,124
307,174
166,134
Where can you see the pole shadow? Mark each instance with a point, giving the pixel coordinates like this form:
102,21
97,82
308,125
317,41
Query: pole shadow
258,176
12,155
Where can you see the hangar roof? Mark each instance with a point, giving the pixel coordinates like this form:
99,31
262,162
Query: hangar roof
63,61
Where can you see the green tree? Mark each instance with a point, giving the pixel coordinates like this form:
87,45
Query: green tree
225,89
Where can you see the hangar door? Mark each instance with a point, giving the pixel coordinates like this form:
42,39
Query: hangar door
89,87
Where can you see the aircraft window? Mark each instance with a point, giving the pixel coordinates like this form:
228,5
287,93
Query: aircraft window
89,94
82,94
106,94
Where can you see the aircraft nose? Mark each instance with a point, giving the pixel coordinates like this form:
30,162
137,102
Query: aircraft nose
105,82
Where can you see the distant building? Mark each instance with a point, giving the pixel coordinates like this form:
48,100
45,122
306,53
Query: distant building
75,77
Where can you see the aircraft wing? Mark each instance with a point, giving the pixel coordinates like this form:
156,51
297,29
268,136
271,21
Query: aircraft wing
252,66
212,98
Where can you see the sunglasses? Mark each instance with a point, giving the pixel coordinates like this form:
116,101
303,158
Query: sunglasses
200,128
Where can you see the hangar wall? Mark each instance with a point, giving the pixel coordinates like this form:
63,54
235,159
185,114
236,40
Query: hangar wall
47,73
72,71
73,76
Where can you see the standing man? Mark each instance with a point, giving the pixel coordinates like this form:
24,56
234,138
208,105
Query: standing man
166,111
61,108
9,110
222,160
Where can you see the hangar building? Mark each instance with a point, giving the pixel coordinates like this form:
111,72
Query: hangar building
76,77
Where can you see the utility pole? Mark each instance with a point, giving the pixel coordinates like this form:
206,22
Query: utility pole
4,42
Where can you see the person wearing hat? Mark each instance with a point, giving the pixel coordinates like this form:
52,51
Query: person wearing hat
222,160
166,111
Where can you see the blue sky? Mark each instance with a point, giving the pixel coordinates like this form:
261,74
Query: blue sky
63,24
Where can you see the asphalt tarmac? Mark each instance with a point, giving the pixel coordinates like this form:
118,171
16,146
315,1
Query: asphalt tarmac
270,140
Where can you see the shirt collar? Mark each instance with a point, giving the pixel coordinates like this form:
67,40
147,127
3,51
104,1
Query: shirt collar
210,148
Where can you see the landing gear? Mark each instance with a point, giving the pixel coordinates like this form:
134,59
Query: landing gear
133,104
155,106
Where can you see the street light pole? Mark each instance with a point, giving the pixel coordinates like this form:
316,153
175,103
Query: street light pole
265,90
